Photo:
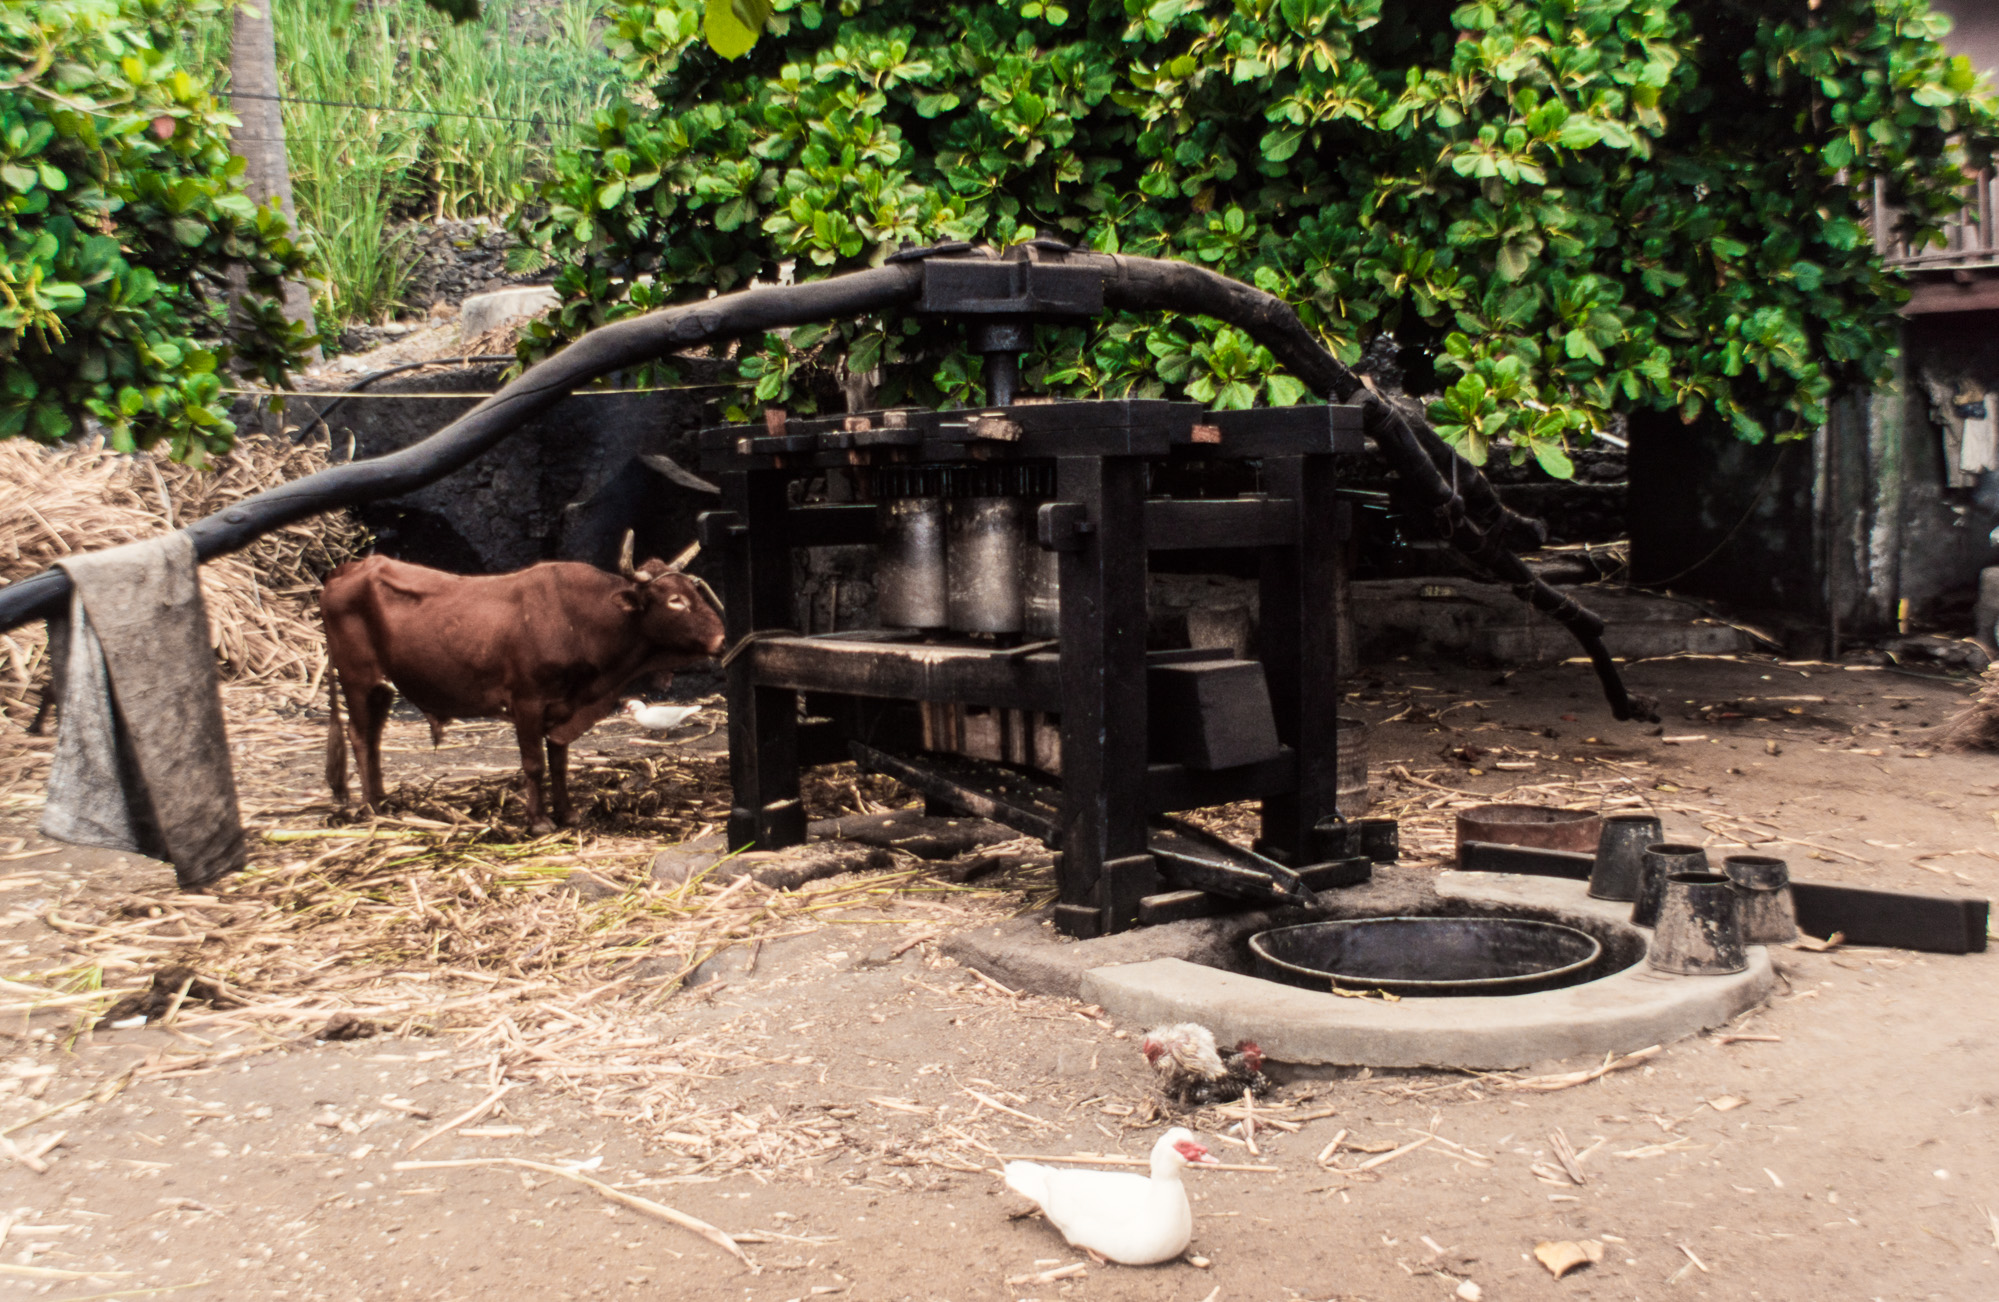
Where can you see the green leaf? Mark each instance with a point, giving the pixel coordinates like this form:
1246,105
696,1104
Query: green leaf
1554,460
733,26
1284,390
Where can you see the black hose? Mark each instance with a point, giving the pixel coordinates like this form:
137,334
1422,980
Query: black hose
1467,513
541,386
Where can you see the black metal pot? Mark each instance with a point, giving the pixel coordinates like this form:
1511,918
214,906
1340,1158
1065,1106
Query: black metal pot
1426,956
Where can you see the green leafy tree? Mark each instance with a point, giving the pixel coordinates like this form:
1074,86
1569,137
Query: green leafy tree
1558,208
121,210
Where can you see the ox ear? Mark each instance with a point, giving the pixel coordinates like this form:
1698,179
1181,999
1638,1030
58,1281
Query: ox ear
625,569
680,562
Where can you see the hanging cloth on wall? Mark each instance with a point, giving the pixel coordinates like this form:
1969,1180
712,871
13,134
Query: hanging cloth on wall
1980,449
142,760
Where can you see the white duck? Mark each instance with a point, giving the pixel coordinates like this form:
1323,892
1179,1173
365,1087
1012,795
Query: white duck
1126,1218
659,718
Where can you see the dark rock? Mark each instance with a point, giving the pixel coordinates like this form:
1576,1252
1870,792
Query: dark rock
914,832
565,486
454,260
675,864
589,885
347,1026
1949,652
975,866
789,869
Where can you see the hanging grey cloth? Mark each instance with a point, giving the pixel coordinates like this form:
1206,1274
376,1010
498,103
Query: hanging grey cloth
141,760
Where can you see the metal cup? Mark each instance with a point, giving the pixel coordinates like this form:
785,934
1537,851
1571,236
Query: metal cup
1700,926
1620,855
1655,863
1769,917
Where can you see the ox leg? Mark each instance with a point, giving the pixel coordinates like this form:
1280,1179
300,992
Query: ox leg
528,732
367,716
558,782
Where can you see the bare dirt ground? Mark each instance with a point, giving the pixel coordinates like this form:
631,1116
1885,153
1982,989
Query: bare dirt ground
837,1107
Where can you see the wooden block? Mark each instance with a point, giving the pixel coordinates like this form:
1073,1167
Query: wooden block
1211,714
1178,906
1333,874
1936,924
1126,882
1082,921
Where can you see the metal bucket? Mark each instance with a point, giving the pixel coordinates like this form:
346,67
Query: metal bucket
909,577
1657,863
1769,916
1542,827
1426,956
982,564
1700,927
1620,855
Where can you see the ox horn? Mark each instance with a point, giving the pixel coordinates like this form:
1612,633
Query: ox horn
625,558
679,562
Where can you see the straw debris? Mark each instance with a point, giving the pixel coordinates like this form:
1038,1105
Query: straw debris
1976,727
261,602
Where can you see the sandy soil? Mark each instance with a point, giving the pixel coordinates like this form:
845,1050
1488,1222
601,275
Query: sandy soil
1843,1149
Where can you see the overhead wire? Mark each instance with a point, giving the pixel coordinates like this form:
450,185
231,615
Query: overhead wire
401,108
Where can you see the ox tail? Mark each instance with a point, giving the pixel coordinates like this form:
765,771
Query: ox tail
336,739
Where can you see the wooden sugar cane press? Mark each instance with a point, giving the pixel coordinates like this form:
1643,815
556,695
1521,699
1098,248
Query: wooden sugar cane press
1008,675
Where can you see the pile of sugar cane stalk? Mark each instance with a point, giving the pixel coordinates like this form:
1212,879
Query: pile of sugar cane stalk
74,498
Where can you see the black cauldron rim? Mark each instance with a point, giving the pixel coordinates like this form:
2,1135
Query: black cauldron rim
1562,974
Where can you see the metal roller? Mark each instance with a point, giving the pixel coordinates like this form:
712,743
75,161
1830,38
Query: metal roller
910,577
982,564
1041,589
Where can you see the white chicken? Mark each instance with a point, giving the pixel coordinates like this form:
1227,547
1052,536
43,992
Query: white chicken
1194,1072
659,718
1133,1219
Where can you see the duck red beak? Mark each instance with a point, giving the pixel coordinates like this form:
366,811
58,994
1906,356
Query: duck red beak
1196,1155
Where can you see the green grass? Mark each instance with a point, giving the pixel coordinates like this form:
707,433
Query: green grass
357,172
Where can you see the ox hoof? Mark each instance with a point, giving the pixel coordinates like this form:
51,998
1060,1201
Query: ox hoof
540,827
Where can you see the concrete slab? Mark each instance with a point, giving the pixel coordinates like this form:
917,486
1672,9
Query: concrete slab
1622,1012
483,312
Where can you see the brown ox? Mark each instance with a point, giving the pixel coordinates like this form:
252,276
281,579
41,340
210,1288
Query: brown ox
548,647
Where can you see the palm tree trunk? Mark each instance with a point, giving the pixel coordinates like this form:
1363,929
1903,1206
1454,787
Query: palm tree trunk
253,76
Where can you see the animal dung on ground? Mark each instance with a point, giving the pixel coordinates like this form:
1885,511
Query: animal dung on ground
1564,1255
